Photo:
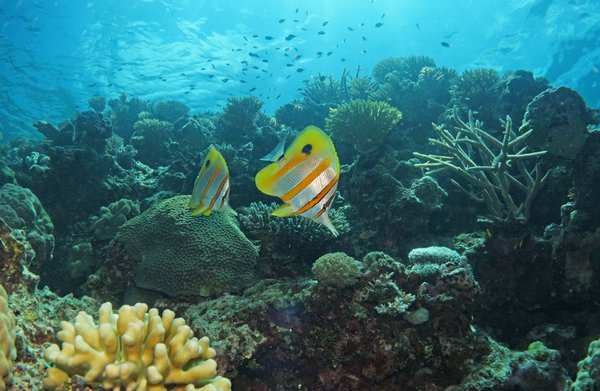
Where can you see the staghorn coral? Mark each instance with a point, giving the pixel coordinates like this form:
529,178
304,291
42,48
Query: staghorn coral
135,349
182,254
493,168
337,270
8,352
363,123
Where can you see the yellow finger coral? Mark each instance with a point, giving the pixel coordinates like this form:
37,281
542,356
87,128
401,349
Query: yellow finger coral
135,349
7,339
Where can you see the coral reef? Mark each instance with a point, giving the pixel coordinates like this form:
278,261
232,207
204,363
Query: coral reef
8,352
150,138
181,254
433,254
169,110
491,167
21,209
338,270
289,246
363,124
112,217
479,90
559,119
124,113
588,374
237,121
136,349
97,103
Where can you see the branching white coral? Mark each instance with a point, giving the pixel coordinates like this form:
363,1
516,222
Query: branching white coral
135,349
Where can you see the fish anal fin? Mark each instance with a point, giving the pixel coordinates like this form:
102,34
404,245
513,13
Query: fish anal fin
284,210
200,210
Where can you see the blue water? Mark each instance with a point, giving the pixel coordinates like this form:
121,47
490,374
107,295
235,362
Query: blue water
56,54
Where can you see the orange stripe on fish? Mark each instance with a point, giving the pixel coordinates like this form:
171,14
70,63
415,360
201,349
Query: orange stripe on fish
293,162
308,180
214,199
318,197
210,181
325,207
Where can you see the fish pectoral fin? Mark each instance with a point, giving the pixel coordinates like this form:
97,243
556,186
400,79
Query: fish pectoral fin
284,210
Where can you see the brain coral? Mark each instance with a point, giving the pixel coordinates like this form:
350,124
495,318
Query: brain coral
135,349
182,254
7,339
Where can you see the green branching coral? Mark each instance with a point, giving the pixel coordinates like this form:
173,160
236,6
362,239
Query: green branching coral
403,67
134,349
499,173
8,353
361,87
238,118
169,110
323,91
337,270
150,137
363,123
257,220
479,90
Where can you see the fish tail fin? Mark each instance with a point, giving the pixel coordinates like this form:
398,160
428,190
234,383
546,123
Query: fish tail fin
284,210
326,221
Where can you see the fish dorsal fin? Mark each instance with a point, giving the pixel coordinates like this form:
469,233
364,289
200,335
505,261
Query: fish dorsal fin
276,153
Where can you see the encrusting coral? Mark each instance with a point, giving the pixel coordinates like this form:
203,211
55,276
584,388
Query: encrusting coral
7,339
134,349
492,167
182,254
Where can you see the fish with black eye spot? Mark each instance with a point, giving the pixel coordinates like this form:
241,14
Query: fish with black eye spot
307,149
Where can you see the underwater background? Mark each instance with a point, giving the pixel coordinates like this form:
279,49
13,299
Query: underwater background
463,249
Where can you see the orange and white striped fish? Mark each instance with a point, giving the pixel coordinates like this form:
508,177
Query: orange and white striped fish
211,188
304,177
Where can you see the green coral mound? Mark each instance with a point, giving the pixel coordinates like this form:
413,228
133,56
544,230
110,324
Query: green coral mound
182,254
21,209
588,375
363,123
337,270
111,217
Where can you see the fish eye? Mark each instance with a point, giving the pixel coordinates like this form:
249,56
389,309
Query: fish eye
207,163
307,149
